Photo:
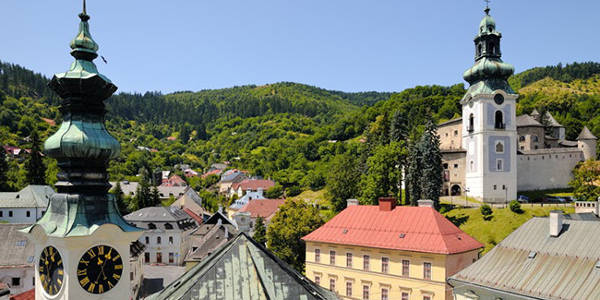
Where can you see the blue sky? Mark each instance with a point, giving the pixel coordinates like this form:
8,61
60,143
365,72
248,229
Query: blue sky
349,45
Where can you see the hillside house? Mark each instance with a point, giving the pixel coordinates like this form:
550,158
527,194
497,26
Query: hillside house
25,206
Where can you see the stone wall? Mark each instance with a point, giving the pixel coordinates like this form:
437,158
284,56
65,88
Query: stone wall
547,168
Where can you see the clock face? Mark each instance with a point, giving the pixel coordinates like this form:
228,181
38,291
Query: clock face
51,270
499,99
99,269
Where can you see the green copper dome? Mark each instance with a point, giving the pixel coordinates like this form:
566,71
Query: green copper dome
84,41
489,73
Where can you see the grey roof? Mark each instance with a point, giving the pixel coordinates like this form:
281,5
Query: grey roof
552,121
566,143
15,249
557,150
233,177
457,120
563,267
243,269
136,248
583,217
157,214
535,113
129,188
586,134
34,196
527,121
208,238
215,218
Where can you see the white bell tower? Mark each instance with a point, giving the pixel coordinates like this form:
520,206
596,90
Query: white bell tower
489,121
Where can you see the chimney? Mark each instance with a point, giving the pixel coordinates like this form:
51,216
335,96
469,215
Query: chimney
387,203
556,222
351,202
425,203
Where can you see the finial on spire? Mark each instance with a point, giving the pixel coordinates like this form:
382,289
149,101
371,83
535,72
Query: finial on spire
486,10
83,15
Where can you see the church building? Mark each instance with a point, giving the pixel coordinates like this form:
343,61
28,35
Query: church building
490,153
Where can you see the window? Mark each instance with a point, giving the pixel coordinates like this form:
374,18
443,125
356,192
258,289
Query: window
158,240
498,120
332,257
365,292
472,166
28,214
16,281
503,187
456,166
495,187
522,138
499,165
426,297
318,279
499,147
349,260
471,123
171,240
384,294
427,270
535,138
445,166
455,132
10,214
535,147
168,226
1,213
404,296
332,284
130,276
405,268
159,257
385,261
349,288
366,263
171,257
151,226
147,257
147,240
317,255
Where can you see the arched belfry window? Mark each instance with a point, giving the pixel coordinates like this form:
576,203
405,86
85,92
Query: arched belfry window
492,49
498,120
471,123
479,49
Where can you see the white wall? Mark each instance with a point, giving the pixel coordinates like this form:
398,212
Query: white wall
548,170
136,270
19,215
26,275
178,247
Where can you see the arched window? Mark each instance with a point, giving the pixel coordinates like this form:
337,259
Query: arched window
535,138
491,48
499,147
479,49
168,226
498,120
151,226
522,138
472,164
158,240
471,123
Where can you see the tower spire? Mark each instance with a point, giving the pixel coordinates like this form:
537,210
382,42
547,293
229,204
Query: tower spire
486,10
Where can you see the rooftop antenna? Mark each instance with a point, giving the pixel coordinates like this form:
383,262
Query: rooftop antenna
487,7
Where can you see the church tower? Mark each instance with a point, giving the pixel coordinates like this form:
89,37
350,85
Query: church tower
489,127
82,242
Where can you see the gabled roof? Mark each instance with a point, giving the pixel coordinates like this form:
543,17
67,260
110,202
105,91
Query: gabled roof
457,120
32,196
527,121
531,263
214,219
15,249
552,121
207,239
242,269
586,134
157,214
253,184
264,208
241,202
420,229
194,216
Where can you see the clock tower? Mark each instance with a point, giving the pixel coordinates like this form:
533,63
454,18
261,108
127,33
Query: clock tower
82,241
489,120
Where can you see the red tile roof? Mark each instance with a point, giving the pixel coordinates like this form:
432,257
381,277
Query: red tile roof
265,208
213,172
253,184
420,229
28,295
194,216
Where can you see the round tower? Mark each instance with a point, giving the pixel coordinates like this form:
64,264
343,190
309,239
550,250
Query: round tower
586,141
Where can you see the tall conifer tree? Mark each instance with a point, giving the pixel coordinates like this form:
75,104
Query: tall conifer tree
36,170
431,182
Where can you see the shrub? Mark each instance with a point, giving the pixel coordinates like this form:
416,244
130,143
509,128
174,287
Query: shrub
515,207
293,191
486,211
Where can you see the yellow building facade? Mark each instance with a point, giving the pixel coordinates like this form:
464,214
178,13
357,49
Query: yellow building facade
373,273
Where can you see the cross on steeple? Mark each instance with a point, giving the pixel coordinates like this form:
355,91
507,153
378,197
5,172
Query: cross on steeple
487,7
85,10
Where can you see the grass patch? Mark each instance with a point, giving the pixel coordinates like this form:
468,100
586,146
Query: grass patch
503,223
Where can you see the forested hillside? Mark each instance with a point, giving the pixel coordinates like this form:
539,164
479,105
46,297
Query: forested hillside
299,135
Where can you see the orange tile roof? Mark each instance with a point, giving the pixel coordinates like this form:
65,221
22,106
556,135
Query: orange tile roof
253,184
420,229
28,295
194,216
265,208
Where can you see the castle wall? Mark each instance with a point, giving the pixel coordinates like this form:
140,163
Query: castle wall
547,168
454,164
527,138
450,135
